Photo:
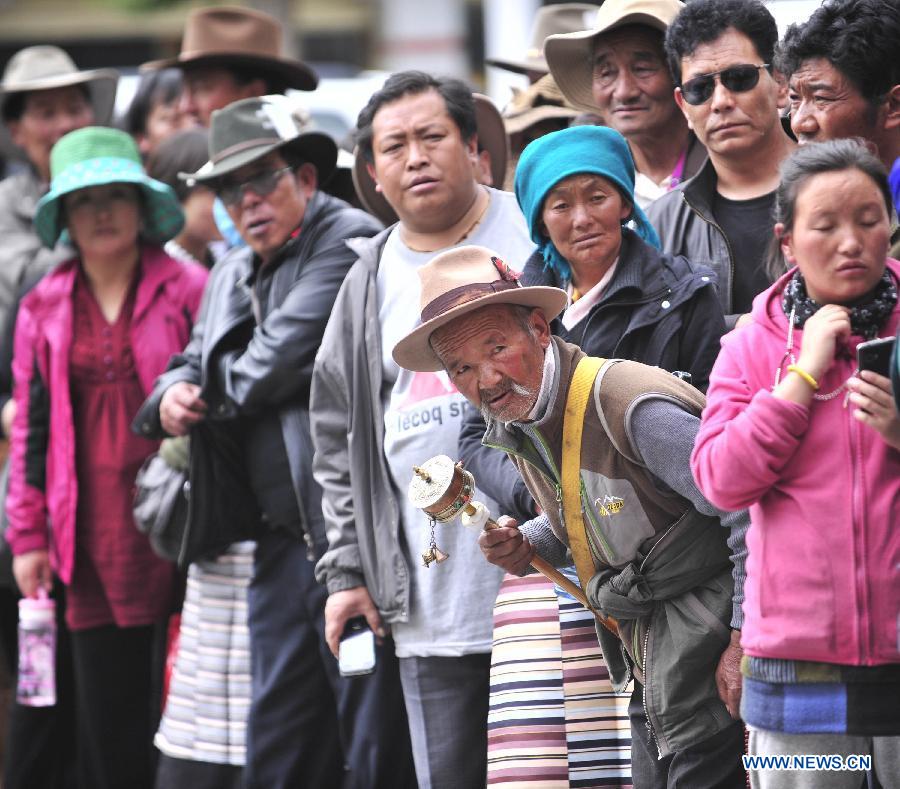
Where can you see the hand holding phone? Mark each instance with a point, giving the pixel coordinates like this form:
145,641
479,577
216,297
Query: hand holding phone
875,355
356,654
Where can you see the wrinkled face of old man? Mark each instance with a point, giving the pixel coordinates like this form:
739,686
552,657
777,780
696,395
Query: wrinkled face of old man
495,357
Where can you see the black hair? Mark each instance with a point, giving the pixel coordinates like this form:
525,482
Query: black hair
155,87
183,152
13,106
455,93
860,38
703,21
808,161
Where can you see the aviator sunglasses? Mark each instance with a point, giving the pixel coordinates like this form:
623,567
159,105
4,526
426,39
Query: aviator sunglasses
738,79
262,184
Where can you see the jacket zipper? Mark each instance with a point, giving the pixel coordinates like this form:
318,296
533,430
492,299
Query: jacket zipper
858,554
646,669
724,237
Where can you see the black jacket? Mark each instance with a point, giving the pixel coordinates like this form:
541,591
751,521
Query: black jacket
245,369
658,309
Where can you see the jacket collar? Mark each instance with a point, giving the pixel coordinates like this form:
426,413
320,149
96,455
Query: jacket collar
511,437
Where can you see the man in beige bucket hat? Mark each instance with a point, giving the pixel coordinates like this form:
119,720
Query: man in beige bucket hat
230,53
43,97
618,70
584,434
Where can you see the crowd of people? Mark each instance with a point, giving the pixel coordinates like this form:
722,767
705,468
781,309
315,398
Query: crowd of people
631,304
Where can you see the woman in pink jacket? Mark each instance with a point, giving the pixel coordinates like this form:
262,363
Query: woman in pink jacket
90,339
794,431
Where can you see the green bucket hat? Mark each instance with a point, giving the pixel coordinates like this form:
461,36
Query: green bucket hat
94,156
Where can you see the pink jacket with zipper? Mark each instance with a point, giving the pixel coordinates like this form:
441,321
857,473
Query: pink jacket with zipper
823,571
43,489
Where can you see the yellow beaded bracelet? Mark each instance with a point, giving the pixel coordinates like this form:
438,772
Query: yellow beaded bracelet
792,368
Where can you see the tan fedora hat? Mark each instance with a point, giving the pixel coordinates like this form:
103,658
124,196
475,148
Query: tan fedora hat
231,35
47,67
538,102
457,282
570,56
550,19
491,137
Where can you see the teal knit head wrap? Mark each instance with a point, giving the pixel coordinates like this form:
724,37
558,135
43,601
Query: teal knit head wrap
595,150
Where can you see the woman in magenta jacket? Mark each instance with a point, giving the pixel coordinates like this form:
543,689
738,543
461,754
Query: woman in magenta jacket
794,431
90,339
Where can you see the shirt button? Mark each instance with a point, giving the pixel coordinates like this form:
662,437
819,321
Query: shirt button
110,376
107,360
107,332
222,408
665,305
705,279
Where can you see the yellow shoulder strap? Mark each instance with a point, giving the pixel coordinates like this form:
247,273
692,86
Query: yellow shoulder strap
573,426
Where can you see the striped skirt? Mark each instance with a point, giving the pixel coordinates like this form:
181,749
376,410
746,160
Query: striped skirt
554,719
205,718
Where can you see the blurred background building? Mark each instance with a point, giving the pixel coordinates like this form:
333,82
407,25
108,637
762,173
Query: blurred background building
351,43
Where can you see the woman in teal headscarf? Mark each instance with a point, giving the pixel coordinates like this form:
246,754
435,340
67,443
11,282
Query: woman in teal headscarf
629,299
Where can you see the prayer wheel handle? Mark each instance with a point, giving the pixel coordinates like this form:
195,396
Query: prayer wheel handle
444,490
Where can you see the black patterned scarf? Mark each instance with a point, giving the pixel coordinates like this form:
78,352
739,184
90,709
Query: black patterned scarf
866,319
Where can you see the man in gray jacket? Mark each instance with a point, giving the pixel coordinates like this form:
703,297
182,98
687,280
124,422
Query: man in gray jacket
247,370
372,422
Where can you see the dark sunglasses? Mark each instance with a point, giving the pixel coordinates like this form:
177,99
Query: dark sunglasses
738,79
262,184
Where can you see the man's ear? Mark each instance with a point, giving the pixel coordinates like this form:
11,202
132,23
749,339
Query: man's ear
472,149
892,108
540,326
679,100
370,169
307,177
14,128
781,82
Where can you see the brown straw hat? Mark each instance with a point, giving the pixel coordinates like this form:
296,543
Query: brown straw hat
538,102
491,137
234,36
550,19
459,281
570,56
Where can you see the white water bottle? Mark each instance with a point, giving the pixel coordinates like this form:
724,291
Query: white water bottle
36,685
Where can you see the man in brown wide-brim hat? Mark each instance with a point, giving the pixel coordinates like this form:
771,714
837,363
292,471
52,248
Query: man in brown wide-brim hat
230,53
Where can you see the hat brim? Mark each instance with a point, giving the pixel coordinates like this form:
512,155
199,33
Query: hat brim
531,116
570,57
102,84
491,136
315,147
162,217
289,73
414,351
522,66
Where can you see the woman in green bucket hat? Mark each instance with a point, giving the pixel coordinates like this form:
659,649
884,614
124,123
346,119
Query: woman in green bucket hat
90,339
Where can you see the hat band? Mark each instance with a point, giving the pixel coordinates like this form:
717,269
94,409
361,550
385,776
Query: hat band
463,295
243,146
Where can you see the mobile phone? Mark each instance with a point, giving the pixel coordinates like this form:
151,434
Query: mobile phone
875,355
356,654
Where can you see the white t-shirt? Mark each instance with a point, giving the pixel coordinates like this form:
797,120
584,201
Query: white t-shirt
451,604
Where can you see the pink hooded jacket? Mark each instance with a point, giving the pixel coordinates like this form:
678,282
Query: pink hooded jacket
43,489
823,570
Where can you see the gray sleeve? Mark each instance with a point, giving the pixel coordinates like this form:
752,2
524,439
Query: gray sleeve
670,462
545,542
